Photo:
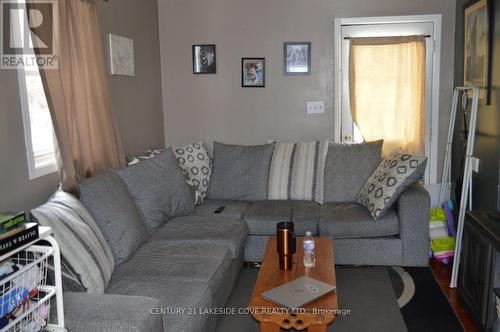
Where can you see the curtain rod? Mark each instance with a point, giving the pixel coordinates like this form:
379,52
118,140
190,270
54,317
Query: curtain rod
425,36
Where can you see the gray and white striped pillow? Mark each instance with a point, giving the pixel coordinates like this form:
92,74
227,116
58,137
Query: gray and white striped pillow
297,171
81,242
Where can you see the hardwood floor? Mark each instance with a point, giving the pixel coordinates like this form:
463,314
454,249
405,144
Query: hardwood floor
442,273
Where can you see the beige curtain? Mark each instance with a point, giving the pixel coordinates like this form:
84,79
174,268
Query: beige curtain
387,90
78,98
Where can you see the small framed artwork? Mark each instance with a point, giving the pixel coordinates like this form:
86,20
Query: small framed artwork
121,55
297,58
204,61
477,47
253,72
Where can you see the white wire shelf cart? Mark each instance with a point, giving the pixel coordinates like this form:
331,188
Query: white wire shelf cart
30,290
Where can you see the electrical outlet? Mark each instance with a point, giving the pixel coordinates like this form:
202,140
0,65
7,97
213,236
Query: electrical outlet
315,107
475,164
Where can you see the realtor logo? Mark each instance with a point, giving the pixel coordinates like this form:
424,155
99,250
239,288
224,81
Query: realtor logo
29,34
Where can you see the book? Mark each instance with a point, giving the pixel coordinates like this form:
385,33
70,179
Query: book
10,220
18,237
6,216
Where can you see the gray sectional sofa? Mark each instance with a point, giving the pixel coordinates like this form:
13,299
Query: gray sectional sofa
191,262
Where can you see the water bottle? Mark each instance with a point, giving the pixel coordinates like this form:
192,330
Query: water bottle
309,258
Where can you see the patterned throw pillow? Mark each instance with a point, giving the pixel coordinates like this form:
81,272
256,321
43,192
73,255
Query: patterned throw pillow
394,174
197,165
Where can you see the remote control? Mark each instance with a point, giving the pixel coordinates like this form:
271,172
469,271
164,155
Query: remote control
219,209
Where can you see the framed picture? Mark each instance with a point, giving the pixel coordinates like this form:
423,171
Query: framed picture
121,55
253,72
204,59
297,58
477,47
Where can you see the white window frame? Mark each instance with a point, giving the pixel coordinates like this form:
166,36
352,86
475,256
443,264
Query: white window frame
34,172
433,120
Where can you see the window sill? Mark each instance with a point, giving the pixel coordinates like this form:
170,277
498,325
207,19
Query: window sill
35,173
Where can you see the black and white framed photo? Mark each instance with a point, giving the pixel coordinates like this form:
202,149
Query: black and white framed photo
253,71
204,59
297,58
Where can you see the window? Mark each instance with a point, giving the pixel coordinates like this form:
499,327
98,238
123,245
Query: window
38,130
387,91
346,129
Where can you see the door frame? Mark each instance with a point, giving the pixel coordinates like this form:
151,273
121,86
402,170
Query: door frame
433,122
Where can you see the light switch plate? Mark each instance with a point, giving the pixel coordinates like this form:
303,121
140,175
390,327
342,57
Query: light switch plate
475,164
315,107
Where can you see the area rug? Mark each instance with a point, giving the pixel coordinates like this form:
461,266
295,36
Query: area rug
378,298
427,309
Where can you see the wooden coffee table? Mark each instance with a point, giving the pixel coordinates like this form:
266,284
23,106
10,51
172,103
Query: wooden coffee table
314,316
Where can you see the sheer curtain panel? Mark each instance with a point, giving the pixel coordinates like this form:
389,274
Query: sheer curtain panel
387,90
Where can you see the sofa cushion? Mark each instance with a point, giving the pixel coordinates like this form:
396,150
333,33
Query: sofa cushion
240,172
393,175
297,171
351,220
110,313
232,209
186,295
107,199
347,168
169,261
263,216
83,247
228,232
196,164
159,189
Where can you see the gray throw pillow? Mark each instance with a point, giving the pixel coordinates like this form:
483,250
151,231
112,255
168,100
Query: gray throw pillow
150,154
108,201
240,173
159,189
347,168
394,174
